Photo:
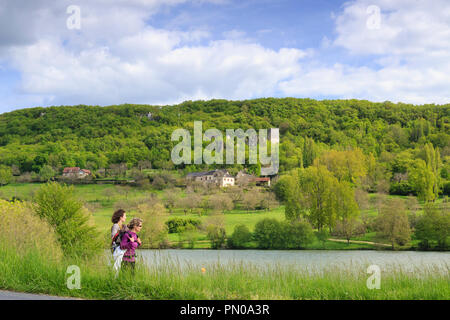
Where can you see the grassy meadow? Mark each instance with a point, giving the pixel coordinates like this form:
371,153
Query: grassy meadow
102,199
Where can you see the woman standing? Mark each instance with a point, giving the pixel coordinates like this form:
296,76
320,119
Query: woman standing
130,241
117,230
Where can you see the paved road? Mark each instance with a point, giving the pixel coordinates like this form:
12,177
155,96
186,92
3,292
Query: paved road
10,295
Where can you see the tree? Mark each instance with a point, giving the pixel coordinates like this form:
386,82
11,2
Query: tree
283,186
297,234
313,197
346,165
5,175
433,161
422,180
392,223
171,199
348,228
46,173
250,200
222,202
240,237
309,152
154,230
57,205
433,226
217,235
347,212
109,193
268,234
189,203
188,234
267,200
236,193
322,236
362,199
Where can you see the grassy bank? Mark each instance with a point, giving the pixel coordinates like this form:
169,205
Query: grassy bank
31,273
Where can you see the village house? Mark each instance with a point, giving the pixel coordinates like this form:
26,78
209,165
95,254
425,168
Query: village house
221,178
243,178
75,172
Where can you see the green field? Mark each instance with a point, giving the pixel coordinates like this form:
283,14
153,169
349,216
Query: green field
100,199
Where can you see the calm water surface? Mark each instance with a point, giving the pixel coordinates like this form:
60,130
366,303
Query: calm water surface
303,259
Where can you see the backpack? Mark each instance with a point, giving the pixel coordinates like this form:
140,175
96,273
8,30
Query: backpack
117,238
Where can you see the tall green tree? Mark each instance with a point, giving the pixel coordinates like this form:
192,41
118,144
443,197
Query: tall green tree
433,161
392,223
434,226
422,180
5,175
313,197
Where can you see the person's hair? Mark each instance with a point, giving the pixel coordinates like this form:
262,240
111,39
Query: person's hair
134,222
117,215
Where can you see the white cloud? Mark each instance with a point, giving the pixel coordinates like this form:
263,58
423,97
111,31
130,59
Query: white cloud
411,50
406,27
117,57
154,69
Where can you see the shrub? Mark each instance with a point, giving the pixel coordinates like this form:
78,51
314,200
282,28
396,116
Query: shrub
6,175
189,235
322,236
392,223
401,188
176,225
56,205
446,188
433,226
272,234
297,234
240,237
282,187
217,236
268,234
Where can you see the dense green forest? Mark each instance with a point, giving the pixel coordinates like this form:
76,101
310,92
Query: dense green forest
394,141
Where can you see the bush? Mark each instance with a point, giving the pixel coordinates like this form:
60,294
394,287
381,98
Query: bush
282,187
401,188
322,236
217,236
240,237
56,205
446,189
433,227
189,235
272,234
6,175
297,234
176,225
268,234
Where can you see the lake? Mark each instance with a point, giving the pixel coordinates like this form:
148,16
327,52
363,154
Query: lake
304,259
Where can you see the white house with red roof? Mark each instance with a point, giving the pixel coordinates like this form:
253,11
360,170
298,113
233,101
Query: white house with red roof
75,172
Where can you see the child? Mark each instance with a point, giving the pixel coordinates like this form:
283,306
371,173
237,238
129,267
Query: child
130,241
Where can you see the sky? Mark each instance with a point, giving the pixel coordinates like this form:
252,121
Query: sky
103,52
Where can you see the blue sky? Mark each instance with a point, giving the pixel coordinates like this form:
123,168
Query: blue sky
165,52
